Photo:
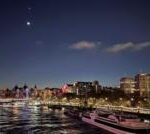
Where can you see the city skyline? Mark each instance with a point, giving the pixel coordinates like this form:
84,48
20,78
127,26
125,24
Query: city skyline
54,42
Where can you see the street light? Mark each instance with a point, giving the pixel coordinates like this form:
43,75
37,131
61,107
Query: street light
120,99
132,99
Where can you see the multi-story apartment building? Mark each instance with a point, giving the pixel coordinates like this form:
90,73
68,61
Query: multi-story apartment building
143,83
82,88
127,84
87,87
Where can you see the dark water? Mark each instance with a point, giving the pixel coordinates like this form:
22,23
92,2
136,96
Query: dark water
42,121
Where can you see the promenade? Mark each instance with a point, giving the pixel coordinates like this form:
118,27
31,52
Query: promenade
70,104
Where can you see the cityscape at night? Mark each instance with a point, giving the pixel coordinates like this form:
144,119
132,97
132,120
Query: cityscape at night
79,67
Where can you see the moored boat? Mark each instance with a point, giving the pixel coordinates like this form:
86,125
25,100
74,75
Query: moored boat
75,113
55,107
116,123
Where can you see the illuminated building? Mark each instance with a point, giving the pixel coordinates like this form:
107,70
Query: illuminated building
143,83
81,88
87,87
68,88
127,84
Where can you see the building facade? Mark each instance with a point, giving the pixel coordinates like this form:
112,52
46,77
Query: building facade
83,88
127,84
143,83
68,88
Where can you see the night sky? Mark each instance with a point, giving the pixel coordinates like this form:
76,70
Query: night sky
52,42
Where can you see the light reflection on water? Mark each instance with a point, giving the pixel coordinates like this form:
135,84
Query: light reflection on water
41,121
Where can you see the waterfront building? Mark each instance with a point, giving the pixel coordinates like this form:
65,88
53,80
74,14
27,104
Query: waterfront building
68,88
96,86
83,88
127,84
143,83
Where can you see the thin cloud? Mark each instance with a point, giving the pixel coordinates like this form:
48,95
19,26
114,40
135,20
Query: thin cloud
127,46
120,47
141,46
84,45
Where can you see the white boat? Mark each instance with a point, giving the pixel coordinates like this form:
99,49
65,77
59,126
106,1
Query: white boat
115,123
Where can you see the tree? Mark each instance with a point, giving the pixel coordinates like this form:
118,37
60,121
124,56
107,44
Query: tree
7,93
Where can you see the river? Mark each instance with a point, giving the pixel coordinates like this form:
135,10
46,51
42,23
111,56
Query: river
42,120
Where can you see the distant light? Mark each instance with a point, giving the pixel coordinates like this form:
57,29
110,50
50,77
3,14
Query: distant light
28,23
29,8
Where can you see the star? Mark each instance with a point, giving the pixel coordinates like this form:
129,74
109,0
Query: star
28,23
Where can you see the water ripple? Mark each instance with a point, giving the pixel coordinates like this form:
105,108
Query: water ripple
41,121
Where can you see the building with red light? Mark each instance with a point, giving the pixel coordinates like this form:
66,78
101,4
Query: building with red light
68,88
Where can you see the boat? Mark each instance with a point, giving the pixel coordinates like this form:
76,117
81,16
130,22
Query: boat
74,113
116,123
55,107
